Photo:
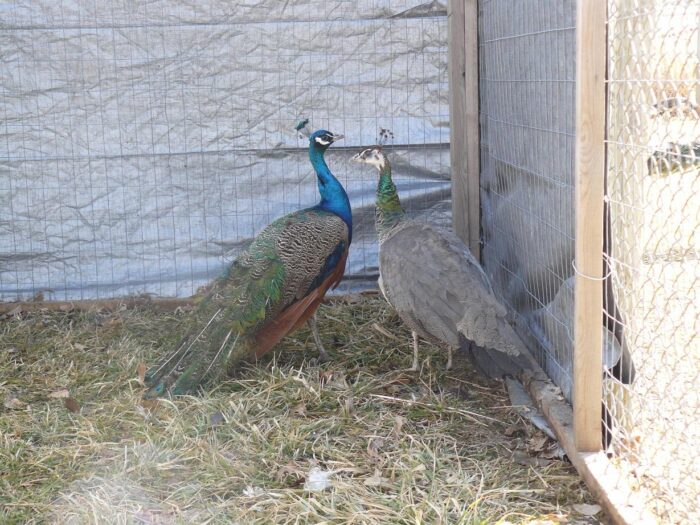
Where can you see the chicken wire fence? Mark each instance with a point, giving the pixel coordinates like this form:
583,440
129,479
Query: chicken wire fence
653,191
651,346
144,144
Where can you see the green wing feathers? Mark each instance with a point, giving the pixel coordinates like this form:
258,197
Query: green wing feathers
276,271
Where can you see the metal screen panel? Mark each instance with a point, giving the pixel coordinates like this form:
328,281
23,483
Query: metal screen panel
527,73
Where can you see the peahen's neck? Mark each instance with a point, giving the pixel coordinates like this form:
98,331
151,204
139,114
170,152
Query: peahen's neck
389,211
333,196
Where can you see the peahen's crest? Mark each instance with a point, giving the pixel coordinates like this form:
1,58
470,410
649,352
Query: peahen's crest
385,135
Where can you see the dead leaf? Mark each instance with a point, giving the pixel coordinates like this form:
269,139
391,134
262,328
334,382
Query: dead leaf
60,394
537,443
71,404
398,425
377,480
553,451
349,405
79,346
522,458
17,310
299,409
13,403
512,430
326,376
253,492
141,373
66,307
112,322
587,509
150,404
374,445
290,470
216,419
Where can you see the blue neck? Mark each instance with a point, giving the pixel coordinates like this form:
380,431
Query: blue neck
333,196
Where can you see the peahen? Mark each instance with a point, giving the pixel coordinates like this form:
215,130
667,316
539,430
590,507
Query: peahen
437,287
268,291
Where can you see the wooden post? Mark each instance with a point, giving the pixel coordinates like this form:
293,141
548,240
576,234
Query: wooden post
463,68
589,179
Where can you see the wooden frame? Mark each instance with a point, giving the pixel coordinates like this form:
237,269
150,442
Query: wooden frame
463,65
610,486
589,190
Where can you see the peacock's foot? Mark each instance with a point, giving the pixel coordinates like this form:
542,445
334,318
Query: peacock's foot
322,358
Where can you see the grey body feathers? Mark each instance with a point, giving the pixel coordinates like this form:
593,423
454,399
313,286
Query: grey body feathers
440,291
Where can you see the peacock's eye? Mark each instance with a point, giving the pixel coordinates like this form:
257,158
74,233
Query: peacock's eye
324,140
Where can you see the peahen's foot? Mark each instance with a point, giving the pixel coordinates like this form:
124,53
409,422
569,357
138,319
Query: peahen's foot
448,366
415,366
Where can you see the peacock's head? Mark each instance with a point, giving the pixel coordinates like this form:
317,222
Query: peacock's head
322,139
373,156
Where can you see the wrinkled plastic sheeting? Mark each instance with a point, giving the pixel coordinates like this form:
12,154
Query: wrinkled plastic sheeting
144,145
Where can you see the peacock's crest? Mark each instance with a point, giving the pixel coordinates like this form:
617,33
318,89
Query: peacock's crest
303,128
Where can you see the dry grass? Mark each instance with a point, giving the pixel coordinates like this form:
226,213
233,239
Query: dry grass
433,448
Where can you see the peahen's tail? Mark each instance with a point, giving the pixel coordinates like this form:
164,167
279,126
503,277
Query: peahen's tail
210,348
494,363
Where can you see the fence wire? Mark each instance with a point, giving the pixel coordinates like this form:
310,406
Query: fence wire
144,144
527,82
652,249
652,218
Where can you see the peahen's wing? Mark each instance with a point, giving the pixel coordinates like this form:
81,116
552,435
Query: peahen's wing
431,276
269,290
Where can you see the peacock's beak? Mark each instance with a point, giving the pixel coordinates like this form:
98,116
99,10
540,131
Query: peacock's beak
337,136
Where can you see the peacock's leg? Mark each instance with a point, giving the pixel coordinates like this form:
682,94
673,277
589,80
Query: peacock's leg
322,354
448,366
414,367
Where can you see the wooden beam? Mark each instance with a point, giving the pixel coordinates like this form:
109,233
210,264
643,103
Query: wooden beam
463,66
160,305
471,70
589,189
456,64
623,503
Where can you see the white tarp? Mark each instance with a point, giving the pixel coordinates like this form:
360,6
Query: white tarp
143,144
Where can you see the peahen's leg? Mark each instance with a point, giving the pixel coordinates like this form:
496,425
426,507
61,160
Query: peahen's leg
414,367
448,366
322,354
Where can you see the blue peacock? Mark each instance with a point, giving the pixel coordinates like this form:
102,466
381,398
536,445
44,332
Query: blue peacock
271,289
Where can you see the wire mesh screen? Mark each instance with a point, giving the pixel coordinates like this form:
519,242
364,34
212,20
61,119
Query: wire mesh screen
527,73
144,144
653,252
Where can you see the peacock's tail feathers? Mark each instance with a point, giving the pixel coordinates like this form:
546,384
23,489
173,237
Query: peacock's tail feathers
222,326
200,358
